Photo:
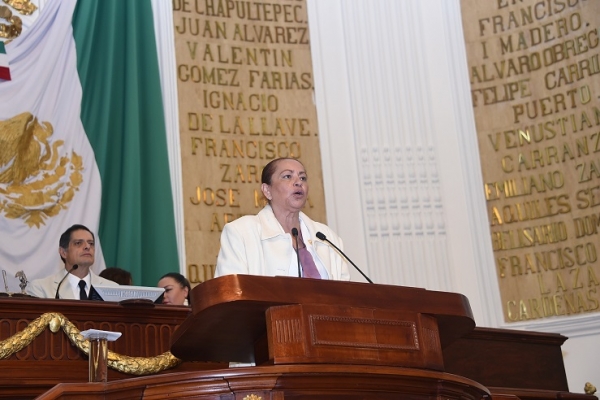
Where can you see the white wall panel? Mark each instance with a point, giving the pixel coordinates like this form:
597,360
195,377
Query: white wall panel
401,161
393,137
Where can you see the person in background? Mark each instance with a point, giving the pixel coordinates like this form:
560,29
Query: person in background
117,275
77,249
281,240
177,289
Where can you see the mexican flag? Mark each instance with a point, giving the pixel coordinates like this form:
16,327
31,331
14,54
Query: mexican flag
82,140
4,69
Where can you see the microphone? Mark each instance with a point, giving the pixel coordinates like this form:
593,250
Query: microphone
74,267
295,235
323,237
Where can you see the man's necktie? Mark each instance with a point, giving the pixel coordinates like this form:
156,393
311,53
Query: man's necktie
82,294
309,268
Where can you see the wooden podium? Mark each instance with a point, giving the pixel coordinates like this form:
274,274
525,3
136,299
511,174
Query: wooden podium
311,339
286,320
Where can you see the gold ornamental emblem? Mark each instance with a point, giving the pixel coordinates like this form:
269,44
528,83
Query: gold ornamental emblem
14,25
252,397
36,181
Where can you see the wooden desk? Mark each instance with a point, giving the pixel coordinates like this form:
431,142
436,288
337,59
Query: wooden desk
348,357
51,358
526,365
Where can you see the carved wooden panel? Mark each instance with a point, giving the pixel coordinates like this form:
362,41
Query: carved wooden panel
341,334
145,332
51,358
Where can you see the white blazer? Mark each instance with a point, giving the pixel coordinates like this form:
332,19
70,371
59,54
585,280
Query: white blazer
46,287
258,245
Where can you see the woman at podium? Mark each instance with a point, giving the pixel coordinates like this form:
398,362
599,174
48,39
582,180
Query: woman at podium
281,240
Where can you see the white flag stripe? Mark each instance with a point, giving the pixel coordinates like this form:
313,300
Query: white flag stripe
3,60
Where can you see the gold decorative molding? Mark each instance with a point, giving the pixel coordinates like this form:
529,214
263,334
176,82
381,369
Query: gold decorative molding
55,321
252,397
589,388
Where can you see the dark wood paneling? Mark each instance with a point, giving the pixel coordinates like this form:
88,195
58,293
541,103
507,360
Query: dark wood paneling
51,358
509,358
297,382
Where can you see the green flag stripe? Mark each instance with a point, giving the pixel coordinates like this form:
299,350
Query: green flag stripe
122,114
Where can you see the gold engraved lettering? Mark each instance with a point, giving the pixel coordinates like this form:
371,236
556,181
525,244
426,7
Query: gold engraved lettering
244,148
586,225
573,72
568,303
530,210
534,61
266,126
192,48
551,155
523,16
532,68
576,283
588,170
508,91
188,25
208,76
240,173
198,122
275,80
259,199
214,30
524,185
514,138
245,82
253,56
271,35
216,197
219,220
589,197
545,33
549,260
552,104
239,101
244,10
200,273
542,286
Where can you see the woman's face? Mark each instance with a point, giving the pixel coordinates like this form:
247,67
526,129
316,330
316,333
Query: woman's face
289,186
174,293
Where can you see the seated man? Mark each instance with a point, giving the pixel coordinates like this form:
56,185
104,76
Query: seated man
76,248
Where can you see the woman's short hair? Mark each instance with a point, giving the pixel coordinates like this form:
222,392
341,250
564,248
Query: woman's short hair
269,169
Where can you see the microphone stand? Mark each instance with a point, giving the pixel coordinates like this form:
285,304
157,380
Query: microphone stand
323,237
74,267
295,235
